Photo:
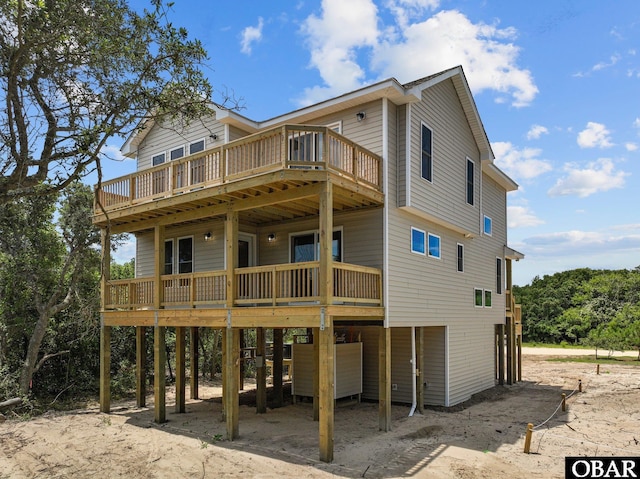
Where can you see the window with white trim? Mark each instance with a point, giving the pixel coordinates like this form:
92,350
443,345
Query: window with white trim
158,159
168,257
306,246
196,146
460,257
478,295
426,159
434,246
471,166
185,255
488,225
487,298
176,153
418,241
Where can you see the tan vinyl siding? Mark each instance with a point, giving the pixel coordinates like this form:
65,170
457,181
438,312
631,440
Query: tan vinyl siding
434,365
453,142
401,372
236,133
207,255
369,337
361,238
401,147
163,138
471,360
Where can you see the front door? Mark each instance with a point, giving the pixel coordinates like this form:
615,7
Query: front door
246,250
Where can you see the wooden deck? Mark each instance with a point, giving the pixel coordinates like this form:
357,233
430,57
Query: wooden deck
272,174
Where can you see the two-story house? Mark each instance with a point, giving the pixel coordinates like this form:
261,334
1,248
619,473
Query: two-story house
377,215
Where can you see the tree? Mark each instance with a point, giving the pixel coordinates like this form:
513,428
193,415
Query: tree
77,72
44,269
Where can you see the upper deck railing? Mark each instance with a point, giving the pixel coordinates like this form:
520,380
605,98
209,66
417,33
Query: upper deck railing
286,147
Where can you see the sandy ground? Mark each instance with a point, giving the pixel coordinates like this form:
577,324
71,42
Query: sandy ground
483,438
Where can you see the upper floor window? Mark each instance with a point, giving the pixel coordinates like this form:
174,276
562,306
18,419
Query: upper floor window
470,181
434,246
460,257
488,226
418,241
176,153
196,146
427,158
158,159
498,275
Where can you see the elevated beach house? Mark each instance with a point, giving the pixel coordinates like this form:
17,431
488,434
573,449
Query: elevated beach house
375,220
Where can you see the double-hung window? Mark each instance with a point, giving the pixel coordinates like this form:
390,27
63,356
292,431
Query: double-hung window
426,164
488,226
498,275
185,255
470,181
434,246
418,241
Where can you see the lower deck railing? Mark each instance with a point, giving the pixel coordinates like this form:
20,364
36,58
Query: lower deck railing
260,286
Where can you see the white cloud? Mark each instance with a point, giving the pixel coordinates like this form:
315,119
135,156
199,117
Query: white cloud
251,35
595,135
578,243
597,177
536,131
334,39
522,164
636,123
602,65
339,38
112,152
522,216
631,146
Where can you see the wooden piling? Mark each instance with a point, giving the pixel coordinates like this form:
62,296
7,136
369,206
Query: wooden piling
527,439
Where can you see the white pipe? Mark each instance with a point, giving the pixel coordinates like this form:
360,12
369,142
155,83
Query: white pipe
413,371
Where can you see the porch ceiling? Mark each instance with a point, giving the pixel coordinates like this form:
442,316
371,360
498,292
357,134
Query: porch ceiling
262,200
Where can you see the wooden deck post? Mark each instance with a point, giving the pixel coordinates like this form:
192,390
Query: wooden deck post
510,342
180,370
326,244
158,259
231,246
420,369
500,345
316,372
141,367
230,392
194,356
159,375
105,368
261,372
384,379
276,372
326,386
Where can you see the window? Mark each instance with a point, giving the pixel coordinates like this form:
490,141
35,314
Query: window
157,159
176,153
479,296
168,257
427,158
434,246
470,181
196,146
460,257
487,298
498,275
488,225
185,255
306,247
304,147
418,243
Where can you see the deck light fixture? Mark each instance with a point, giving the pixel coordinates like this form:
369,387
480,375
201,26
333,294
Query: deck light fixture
271,237
207,236
361,115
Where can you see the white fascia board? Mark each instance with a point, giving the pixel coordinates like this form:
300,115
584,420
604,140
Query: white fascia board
499,176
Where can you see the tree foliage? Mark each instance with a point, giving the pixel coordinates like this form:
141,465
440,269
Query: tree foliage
77,72
600,308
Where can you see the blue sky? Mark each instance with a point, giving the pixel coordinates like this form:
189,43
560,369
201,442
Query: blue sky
557,85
